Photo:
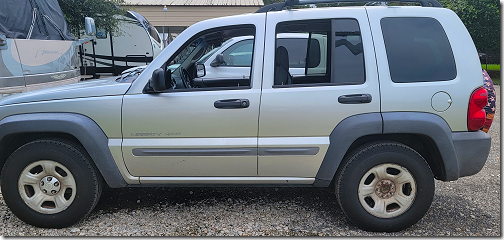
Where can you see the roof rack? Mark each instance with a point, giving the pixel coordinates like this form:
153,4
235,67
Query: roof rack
280,6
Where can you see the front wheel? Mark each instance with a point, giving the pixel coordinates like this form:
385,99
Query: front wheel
50,183
385,186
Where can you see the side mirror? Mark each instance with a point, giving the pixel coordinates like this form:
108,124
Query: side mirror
90,26
3,42
200,70
157,82
218,61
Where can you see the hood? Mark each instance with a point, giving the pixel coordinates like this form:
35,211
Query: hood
90,88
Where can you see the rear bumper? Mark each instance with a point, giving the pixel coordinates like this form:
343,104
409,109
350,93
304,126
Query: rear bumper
472,149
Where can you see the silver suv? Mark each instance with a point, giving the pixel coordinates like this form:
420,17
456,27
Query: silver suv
395,102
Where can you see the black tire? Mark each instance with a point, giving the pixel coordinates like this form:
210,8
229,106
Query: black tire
64,156
356,194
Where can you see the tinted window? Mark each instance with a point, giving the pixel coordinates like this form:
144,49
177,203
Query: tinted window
348,52
296,57
417,50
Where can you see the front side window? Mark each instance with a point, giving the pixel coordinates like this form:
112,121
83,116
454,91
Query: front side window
200,64
418,50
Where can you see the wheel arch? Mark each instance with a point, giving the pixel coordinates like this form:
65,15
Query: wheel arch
16,130
422,144
426,133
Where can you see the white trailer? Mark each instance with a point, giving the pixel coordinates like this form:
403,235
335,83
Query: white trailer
138,44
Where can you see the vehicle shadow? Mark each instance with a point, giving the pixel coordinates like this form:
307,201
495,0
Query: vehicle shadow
310,204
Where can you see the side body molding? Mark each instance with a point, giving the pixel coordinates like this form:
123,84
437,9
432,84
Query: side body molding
341,138
81,127
430,125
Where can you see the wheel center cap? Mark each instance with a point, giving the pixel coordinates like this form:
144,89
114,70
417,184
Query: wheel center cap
50,185
385,188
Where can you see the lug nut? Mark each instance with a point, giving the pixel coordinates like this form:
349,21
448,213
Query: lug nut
53,191
56,184
45,191
49,179
41,183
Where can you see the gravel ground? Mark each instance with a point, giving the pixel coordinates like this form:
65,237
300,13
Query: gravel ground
469,206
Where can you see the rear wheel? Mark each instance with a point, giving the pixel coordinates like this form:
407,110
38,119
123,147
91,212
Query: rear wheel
385,186
50,183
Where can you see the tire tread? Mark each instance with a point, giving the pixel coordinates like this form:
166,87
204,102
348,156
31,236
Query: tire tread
68,147
350,160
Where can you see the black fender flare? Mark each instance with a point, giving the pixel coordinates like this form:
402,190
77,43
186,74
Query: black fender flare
430,125
87,131
340,140
357,126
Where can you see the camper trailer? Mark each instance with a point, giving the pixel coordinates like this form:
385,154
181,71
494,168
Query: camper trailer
37,50
137,43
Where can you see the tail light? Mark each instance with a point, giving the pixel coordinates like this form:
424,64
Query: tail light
476,112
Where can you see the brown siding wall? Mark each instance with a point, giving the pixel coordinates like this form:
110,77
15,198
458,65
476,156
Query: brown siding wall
187,15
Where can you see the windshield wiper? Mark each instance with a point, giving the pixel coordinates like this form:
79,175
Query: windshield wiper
130,76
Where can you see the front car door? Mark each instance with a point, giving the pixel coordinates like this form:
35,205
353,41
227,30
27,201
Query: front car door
196,134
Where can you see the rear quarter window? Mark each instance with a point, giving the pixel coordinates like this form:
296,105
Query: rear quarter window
418,50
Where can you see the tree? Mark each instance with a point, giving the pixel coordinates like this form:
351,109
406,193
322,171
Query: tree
102,11
482,20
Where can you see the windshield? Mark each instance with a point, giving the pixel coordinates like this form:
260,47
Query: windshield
145,24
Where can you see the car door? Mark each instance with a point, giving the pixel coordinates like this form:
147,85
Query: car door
188,134
299,113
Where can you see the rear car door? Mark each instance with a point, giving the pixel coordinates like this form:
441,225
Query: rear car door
299,112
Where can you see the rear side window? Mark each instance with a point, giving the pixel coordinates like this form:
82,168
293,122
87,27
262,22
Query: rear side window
301,52
348,52
418,50
293,46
